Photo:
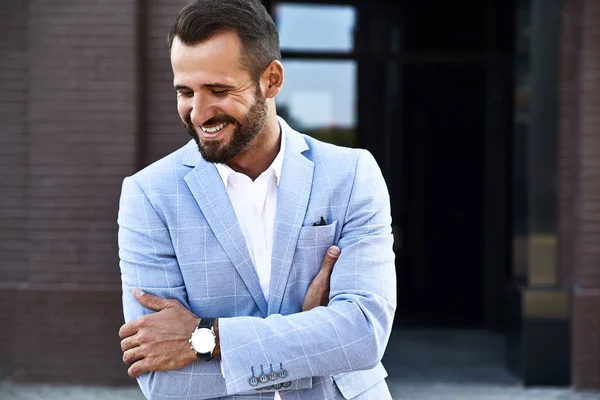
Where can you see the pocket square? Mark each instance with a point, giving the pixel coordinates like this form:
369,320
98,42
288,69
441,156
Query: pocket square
322,222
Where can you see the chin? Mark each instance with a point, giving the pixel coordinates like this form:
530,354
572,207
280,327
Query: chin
215,153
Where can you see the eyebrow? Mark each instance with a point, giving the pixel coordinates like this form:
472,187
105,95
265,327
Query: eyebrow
206,85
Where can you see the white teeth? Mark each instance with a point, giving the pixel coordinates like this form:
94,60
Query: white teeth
213,130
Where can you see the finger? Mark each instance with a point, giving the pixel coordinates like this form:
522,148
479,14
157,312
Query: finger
150,301
330,258
133,355
128,329
137,368
129,343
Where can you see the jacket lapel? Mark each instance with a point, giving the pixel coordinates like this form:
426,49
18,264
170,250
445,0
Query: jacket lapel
207,187
292,200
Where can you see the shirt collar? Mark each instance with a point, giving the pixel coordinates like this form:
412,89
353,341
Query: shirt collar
277,164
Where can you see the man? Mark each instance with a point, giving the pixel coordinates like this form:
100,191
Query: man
225,235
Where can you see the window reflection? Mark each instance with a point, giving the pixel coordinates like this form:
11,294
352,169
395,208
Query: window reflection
319,98
315,27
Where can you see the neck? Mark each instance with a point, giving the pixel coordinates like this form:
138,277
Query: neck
260,154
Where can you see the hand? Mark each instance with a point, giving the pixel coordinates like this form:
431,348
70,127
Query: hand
318,291
158,341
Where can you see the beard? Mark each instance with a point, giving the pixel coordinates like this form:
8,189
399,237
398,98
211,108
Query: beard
244,133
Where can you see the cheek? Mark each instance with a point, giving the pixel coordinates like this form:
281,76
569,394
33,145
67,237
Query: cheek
227,106
234,106
184,110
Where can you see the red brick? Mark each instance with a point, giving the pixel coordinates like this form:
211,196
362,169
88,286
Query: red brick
579,182
586,346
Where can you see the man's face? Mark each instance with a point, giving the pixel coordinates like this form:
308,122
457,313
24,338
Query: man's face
222,108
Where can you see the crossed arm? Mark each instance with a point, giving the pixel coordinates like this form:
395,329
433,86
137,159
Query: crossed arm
159,341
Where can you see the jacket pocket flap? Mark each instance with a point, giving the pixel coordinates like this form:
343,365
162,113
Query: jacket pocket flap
351,384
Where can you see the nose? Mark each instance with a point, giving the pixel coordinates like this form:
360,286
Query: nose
201,111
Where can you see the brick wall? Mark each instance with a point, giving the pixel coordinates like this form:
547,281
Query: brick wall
81,125
86,98
162,127
568,124
68,106
13,141
13,166
579,161
587,274
68,336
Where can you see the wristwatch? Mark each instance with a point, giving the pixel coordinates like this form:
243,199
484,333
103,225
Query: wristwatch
203,339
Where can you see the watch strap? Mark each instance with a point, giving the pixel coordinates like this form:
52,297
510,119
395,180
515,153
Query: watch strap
206,323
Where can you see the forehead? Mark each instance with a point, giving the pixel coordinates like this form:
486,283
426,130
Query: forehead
214,60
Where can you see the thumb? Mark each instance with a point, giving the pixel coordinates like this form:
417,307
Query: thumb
330,258
150,301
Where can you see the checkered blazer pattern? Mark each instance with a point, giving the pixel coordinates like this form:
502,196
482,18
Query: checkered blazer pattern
179,238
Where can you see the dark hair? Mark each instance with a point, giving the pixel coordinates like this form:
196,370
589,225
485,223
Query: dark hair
200,20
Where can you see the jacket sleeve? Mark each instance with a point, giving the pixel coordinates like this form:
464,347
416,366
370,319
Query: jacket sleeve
148,262
352,332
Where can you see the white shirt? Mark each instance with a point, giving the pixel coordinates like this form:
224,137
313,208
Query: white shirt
254,204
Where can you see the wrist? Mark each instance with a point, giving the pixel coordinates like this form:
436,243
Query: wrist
217,349
190,353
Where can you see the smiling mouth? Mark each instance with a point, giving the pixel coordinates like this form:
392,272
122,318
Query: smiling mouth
214,129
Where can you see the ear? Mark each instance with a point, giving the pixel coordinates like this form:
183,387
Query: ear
272,79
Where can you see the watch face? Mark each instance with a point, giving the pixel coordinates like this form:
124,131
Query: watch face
203,341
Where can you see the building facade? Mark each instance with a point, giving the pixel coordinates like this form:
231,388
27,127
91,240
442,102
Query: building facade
484,119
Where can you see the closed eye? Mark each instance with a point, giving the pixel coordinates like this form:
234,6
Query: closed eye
219,93
185,93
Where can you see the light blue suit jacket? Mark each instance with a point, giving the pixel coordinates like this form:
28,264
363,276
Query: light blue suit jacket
179,238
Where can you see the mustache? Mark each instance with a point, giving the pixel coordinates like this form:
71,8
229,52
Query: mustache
219,119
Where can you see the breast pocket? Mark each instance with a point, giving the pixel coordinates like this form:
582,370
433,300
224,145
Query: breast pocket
313,242
316,236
